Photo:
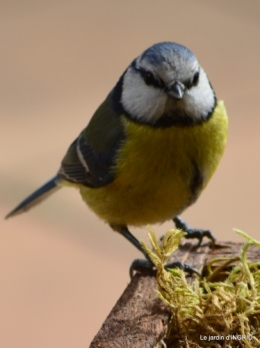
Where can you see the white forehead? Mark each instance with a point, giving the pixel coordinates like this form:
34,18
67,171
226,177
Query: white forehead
169,60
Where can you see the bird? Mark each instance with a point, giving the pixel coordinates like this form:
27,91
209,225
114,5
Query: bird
149,149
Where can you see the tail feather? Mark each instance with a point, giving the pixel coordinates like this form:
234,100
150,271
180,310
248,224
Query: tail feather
36,197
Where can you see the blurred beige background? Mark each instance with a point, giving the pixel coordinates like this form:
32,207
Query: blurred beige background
61,268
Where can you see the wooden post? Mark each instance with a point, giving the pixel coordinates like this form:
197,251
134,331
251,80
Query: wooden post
139,319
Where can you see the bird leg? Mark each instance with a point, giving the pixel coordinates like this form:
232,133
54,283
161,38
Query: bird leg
146,264
124,231
138,264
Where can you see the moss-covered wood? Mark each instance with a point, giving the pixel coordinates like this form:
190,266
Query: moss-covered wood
140,319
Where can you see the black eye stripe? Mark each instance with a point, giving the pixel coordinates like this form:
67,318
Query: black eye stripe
196,78
193,82
151,80
155,82
158,83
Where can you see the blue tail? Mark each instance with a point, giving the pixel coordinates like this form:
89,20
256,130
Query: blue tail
36,197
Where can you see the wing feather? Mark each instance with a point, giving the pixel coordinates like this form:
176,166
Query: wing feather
91,157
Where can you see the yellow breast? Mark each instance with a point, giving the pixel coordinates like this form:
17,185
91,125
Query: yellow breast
155,170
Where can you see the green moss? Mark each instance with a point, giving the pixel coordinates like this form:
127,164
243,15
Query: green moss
209,313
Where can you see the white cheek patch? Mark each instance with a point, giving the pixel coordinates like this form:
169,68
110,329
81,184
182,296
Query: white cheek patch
141,101
147,103
199,101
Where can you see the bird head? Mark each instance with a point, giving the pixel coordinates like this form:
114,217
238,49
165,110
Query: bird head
166,85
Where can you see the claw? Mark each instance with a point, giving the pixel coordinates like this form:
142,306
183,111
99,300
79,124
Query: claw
194,232
183,266
141,265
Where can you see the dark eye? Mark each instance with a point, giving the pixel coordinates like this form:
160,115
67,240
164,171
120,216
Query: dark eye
149,78
195,79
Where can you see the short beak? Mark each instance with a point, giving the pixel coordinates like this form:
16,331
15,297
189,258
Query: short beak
175,91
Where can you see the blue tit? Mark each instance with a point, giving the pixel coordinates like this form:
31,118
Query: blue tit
150,148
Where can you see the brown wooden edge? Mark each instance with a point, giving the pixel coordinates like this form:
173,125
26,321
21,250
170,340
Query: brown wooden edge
139,319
